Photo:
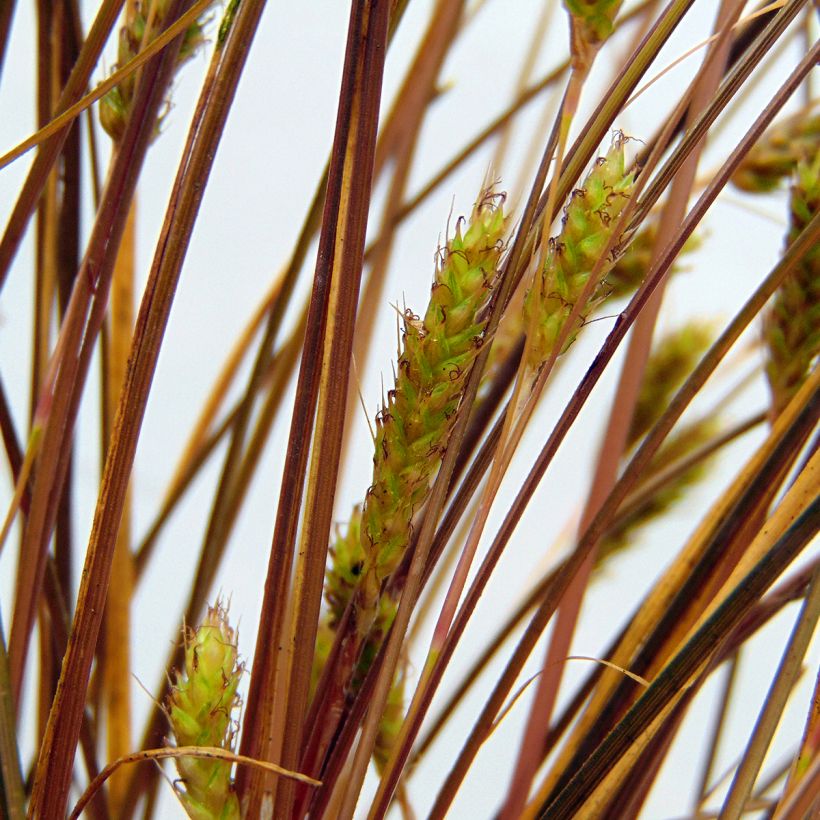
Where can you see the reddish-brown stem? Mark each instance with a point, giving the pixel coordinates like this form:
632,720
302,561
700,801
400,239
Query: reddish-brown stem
49,151
280,688
53,775
615,436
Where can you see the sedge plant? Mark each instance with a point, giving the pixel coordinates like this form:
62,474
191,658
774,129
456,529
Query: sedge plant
512,493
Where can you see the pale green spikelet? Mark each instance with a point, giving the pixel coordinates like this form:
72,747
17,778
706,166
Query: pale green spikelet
791,326
775,156
115,106
201,709
672,359
414,425
591,23
679,445
589,219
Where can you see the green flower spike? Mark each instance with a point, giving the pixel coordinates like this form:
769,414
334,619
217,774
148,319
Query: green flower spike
200,709
791,327
589,219
591,23
672,359
414,425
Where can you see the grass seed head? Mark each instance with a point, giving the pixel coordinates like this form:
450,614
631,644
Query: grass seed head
591,23
115,106
776,155
791,326
677,446
589,219
672,359
344,572
200,708
413,426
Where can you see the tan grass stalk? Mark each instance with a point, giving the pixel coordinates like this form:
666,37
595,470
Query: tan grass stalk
796,499
117,662
774,703
660,597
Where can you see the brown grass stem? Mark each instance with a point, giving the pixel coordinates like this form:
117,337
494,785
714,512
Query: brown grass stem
50,151
54,769
649,446
336,286
672,682
774,703
84,316
615,437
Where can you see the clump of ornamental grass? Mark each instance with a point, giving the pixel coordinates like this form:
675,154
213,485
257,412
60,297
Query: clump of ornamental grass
590,216
597,752
791,326
201,709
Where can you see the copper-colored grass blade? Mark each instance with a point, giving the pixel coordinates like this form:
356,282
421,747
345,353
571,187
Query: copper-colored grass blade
673,597
707,365
774,703
66,117
52,780
50,151
6,14
809,742
400,138
683,580
12,796
207,416
11,442
614,440
59,403
668,687
716,731
801,801
281,688
117,657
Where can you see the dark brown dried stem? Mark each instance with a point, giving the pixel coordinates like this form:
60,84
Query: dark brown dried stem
323,379
52,780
